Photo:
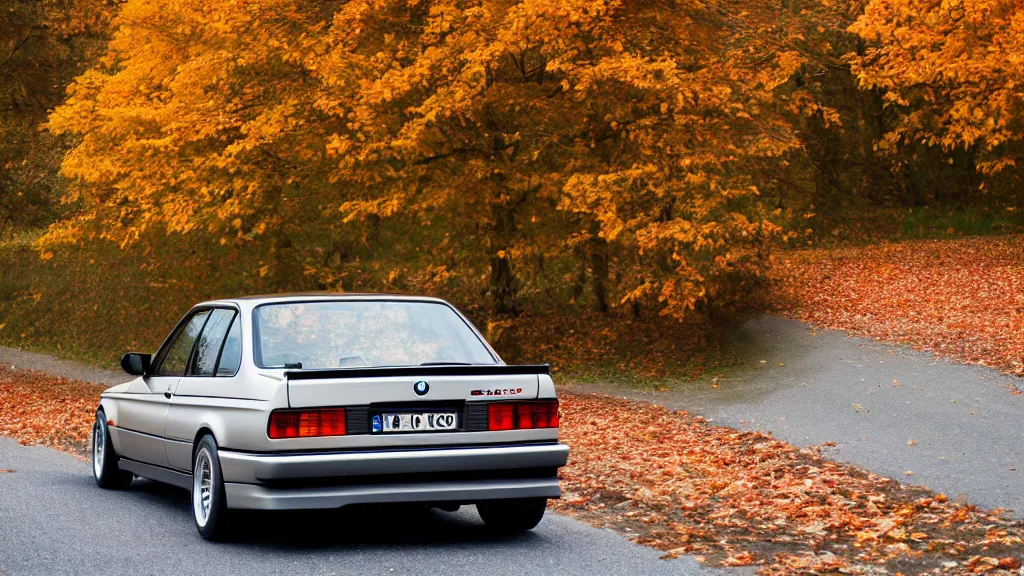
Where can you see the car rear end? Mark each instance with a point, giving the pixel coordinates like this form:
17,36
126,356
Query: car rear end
441,435
389,401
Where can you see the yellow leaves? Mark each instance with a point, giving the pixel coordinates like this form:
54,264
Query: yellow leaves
638,294
949,93
527,123
381,208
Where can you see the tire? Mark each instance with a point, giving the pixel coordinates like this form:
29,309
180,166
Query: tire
209,503
104,459
512,516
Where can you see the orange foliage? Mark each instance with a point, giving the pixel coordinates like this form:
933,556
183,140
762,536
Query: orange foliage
959,298
952,70
526,130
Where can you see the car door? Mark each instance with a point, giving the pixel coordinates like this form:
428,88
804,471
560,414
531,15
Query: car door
208,384
143,409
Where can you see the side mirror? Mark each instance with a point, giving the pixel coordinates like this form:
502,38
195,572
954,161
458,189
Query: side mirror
136,364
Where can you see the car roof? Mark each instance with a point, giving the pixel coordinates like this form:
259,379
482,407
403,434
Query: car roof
256,300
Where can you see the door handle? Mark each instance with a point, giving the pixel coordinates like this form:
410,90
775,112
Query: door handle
167,394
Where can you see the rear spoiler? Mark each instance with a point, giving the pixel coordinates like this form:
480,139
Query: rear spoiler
416,371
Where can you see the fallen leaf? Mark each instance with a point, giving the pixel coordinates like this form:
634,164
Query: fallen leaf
1009,563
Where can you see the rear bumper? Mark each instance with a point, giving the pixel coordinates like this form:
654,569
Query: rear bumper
257,497
245,468
332,480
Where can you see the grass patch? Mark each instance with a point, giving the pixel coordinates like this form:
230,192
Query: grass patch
862,224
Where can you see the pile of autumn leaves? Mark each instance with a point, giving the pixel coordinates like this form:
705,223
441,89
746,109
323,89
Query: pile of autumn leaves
676,483
38,408
960,298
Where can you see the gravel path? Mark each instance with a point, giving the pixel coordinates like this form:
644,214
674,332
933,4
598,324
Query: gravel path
888,408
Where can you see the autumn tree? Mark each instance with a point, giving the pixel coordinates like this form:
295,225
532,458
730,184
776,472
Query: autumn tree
950,72
616,126
621,135
199,119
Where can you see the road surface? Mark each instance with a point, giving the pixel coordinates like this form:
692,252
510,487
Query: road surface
54,520
888,408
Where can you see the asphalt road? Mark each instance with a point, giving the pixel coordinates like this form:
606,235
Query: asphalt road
888,408
54,520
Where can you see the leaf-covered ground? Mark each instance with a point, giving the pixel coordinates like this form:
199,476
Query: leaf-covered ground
960,298
39,408
676,483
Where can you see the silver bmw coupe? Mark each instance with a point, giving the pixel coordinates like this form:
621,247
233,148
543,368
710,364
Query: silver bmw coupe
322,401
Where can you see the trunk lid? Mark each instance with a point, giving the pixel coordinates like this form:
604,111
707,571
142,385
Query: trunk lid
398,386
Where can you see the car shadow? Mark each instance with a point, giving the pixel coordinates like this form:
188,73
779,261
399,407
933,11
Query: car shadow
352,526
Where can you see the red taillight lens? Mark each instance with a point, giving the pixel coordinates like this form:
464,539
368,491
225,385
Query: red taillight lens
522,415
306,423
283,424
537,415
501,416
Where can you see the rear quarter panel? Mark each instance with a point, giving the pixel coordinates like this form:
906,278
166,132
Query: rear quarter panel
110,410
235,410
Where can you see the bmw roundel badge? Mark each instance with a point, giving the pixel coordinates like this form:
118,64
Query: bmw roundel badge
421,388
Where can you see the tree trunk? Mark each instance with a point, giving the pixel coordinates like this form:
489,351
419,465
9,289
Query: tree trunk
502,288
503,284
599,272
282,276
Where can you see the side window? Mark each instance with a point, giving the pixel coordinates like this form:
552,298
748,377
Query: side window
231,356
209,345
176,358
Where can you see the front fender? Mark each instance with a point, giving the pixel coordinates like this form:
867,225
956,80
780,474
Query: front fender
109,406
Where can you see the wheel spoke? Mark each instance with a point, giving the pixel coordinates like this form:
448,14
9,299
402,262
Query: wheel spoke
98,443
202,487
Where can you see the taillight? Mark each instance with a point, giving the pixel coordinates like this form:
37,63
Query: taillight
306,423
501,416
522,415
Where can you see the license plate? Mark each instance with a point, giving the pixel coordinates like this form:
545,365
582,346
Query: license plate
415,422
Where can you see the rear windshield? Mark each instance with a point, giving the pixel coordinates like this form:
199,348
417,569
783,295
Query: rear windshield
347,334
